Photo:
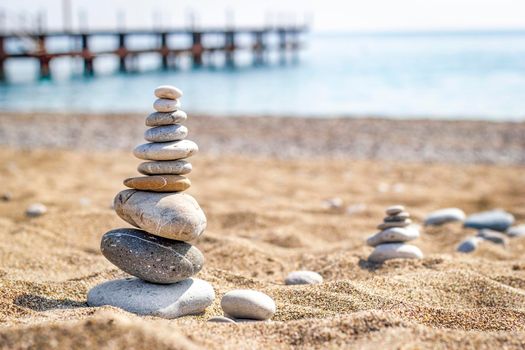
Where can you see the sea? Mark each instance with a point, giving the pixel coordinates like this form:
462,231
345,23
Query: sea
443,75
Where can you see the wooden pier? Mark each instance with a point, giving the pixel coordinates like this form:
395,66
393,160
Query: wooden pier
287,43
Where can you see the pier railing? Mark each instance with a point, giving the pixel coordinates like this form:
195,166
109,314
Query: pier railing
287,41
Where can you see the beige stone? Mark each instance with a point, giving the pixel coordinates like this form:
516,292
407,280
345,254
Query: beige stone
159,183
166,150
165,167
168,91
168,118
165,105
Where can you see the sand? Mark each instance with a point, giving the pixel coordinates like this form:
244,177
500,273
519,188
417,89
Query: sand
266,218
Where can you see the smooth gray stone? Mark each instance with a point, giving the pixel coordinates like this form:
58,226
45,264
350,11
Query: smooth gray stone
151,258
169,118
175,215
168,91
497,220
166,105
443,216
468,245
188,297
246,303
389,251
166,133
393,235
402,216
493,236
36,209
303,277
221,319
165,167
166,150
394,209
386,225
516,231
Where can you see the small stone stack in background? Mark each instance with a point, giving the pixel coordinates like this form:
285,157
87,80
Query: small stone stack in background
157,253
390,243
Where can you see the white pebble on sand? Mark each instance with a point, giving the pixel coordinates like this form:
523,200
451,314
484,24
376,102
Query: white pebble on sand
36,209
303,277
248,304
389,251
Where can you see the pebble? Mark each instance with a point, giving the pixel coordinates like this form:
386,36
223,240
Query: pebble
166,105
171,215
221,319
166,133
36,209
168,91
169,118
6,196
395,209
167,167
159,183
385,225
516,231
188,297
250,304
497,220
166,150
303,277
333,203
388,251
151,258
393,234
402,216
493,236
443,216
468,245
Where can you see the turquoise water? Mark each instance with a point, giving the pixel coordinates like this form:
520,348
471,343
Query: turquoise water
436,75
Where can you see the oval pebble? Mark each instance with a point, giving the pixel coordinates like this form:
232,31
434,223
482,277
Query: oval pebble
386,225
493,236
468,245
168,91
394,209
188,297
443,216
497,220
166,150
159,183
171,167
165,105
303,277
151,258
172,215
36,209
248,304
166,133
516,231
169,118
388,251
392,235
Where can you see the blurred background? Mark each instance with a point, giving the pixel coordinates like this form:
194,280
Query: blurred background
446,59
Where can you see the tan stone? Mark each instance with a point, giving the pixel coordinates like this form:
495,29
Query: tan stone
159,183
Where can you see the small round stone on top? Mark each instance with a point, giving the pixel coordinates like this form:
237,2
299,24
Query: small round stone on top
168,91
395,209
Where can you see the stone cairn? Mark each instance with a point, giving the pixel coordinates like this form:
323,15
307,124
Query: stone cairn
390,243
156,252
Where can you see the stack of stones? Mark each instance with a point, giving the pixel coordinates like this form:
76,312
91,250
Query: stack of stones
156,252
390,243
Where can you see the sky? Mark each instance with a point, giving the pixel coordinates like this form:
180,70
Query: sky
323,15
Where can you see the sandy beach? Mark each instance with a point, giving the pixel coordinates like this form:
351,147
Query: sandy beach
262,183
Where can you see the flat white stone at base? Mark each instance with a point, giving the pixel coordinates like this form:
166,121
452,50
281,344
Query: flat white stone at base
188,297
388,251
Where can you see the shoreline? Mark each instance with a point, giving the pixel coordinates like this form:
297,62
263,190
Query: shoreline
406,140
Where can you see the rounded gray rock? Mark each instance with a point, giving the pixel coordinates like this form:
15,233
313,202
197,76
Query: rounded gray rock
166,105
516,231
386,225
166,167
394,209
168,91
248,304
468,245
493,236
303,277
443,216
389,251
393,235
36,209
188,297
151,258
166,133
169,118
166,150
497,220
171,215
